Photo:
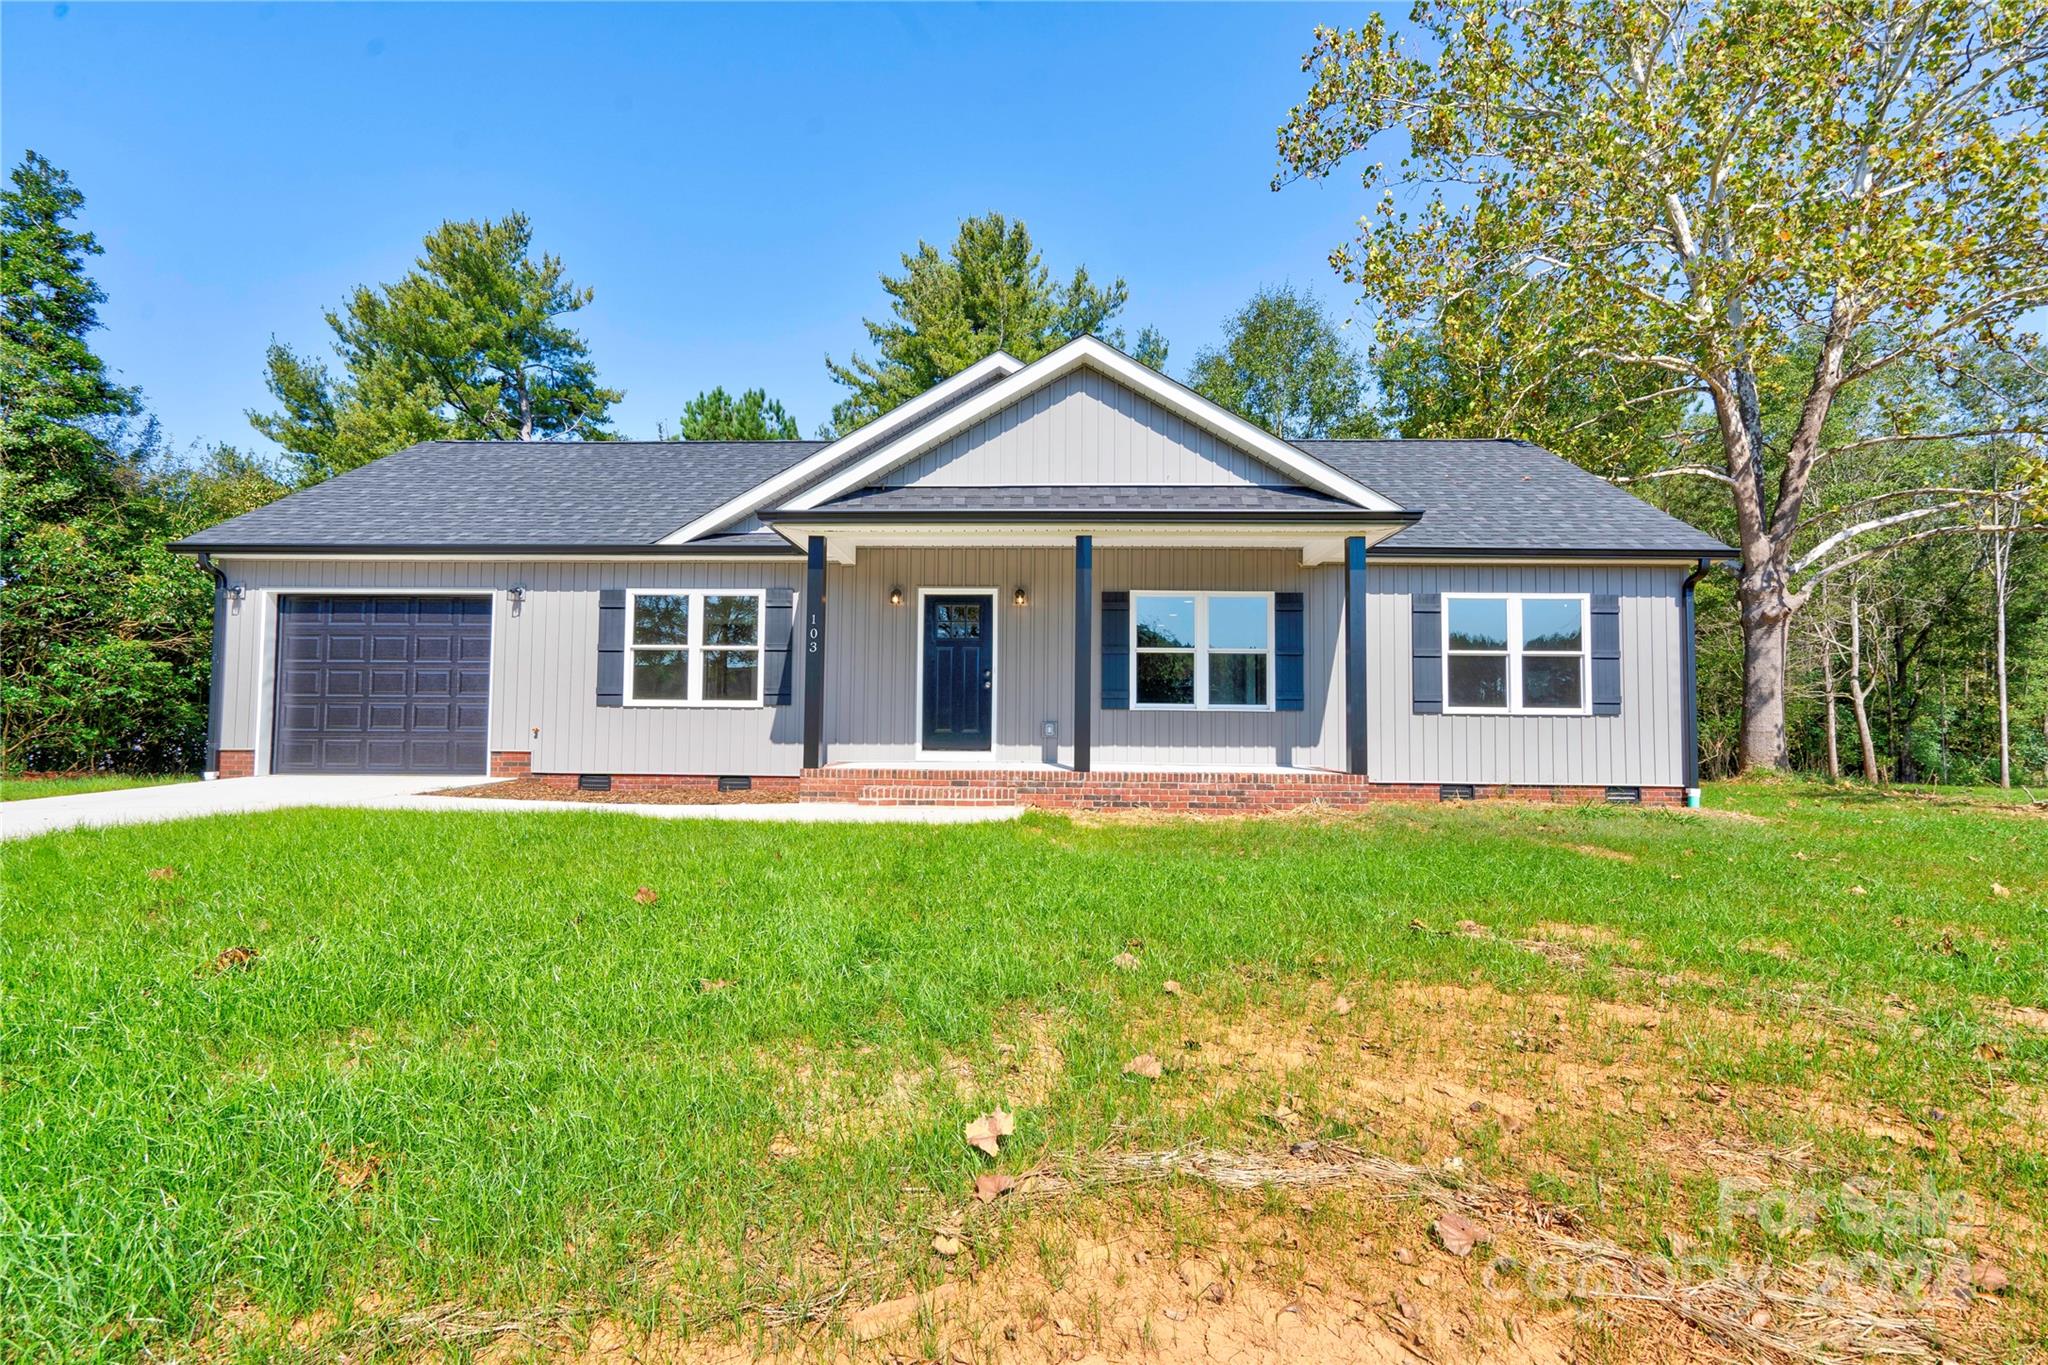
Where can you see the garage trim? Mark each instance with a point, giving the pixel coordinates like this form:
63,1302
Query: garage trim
267,605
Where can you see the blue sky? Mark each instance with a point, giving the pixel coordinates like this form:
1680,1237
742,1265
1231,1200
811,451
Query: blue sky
730,180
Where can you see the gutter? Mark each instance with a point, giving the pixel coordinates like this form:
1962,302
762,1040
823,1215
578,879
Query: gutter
358,547
220,651
1689,651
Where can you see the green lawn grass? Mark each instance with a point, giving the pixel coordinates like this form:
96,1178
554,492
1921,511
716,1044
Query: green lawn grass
30,788
467,1063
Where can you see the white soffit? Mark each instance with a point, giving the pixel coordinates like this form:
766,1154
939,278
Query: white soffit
1087,351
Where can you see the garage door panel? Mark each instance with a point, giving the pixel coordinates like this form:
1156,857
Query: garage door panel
384,684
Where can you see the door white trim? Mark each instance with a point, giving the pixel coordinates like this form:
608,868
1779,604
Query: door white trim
995,673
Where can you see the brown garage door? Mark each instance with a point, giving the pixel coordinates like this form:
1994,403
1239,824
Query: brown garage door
383,685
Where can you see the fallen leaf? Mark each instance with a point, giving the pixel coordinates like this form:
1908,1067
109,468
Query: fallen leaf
1170,986
1340,1007
987,1132
1989,1276
1858,891
1404,1256
781,1148
1281,1115
990,1186
232,959
1124,962
170,874
1458,1234
706,984
1145,1065
947,1246
1999,891
647,895
354,1171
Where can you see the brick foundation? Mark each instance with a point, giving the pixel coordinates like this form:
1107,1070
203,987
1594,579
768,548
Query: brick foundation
510,763
236,762
1200,793
643,781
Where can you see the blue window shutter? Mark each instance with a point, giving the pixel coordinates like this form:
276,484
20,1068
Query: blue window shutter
1427,618
1606,655
778,629
611,647
1116,651
1287,652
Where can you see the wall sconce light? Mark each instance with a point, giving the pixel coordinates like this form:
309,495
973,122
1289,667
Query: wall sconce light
517,593
895,597
236,593
1018,599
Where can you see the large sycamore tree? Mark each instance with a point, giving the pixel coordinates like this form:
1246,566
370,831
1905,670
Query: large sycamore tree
1704,191
472,344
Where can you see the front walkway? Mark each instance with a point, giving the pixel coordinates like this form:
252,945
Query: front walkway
186,800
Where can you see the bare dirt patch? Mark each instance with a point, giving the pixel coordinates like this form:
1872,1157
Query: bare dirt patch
533,789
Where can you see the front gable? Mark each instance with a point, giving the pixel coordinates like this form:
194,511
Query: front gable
1083,428
1087,414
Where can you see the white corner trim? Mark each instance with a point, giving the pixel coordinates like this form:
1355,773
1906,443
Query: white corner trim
818,461
1087,351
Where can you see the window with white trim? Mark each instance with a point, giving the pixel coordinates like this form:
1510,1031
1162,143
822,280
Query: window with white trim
1523,654
1204,651
693,647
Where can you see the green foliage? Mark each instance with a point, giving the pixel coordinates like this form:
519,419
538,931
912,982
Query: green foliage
56,397
1284,365
989,292
471,345
1486,366
1705,190
105,636
753,416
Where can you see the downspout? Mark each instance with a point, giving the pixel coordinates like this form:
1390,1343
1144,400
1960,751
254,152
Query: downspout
1689,649
220,649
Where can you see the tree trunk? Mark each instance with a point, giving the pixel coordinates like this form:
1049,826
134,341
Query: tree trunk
2001,553
1859,695
1763,675
1827,655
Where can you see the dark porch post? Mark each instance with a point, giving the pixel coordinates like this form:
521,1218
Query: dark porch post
814,654
1084,648
1354,654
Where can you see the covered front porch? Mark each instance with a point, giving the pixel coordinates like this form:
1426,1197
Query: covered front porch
1002,664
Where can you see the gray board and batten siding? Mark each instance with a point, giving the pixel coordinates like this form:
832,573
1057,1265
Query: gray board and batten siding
543,661
544,667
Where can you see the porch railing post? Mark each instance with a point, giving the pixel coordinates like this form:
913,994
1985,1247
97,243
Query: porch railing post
1354,654
1084,648
814,654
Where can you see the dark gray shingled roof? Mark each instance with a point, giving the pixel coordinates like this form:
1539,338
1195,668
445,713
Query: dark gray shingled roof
927,499
1475,497
504,494
1506,496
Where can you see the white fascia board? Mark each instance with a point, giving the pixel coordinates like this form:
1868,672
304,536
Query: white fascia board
1176,398
819,461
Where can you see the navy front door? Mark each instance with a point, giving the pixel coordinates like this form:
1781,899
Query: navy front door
959,671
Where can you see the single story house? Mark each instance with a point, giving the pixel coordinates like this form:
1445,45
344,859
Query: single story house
1071,583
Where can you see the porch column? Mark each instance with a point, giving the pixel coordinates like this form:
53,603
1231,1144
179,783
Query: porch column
1084,648
1354,654
814,654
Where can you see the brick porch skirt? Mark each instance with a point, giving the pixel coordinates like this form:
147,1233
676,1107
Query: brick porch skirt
1206,793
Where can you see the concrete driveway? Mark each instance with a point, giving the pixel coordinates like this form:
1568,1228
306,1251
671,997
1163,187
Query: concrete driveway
185,800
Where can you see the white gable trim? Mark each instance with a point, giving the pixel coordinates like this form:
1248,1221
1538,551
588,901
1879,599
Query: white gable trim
819,461
1087,351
